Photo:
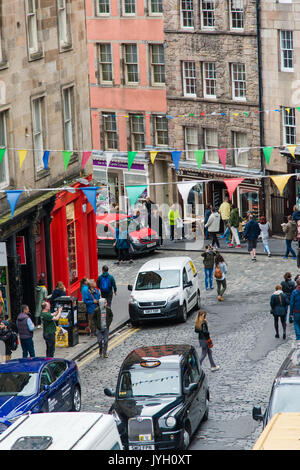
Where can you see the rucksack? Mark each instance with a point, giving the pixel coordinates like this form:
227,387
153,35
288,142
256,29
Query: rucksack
14,341
105,284
218,273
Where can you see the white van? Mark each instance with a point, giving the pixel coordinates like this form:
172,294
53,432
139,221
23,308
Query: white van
62,431
165,288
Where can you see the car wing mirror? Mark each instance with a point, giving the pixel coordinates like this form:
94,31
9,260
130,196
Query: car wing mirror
108,392
257,414
188,284
130,287
191,388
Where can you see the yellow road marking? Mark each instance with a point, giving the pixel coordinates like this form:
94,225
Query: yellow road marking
111,345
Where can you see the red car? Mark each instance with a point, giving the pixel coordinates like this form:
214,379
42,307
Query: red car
142,239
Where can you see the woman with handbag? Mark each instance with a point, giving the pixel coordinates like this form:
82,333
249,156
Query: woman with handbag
279,303
201,327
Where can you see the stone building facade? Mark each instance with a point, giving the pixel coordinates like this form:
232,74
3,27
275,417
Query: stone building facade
44,105
213,95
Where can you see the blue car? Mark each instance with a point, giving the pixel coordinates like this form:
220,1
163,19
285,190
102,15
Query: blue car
37,385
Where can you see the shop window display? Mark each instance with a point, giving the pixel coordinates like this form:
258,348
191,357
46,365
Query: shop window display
72,252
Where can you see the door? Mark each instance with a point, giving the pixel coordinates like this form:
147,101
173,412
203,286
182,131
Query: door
198,377
191,399
50,395
192,276
62,384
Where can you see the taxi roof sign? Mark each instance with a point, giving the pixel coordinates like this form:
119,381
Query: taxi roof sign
150,363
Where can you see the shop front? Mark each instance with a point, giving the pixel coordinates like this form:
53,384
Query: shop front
113,178
73,240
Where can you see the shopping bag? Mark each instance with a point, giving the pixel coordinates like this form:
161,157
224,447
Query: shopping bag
61,338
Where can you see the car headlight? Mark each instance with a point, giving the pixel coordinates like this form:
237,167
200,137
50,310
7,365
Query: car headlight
170,421
135,240
173,297
132,300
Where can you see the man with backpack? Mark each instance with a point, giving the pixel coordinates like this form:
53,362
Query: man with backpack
107,285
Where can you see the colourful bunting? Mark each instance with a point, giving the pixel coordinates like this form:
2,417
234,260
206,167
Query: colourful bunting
176,154
199,157
281,181
292,149
46,159
85,157
22,156
222,156
13,197
232,184
184,189
153,156
131,157
2,152
67,156
134,193
91,195
267,152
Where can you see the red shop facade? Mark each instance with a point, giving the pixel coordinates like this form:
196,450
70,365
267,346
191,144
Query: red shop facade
73,240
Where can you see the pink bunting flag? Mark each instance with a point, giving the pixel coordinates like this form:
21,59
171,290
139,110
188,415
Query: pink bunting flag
222,156
232,184
85,157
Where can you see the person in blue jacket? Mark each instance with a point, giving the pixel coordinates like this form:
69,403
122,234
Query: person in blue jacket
294,315
279,303
251,233
91,298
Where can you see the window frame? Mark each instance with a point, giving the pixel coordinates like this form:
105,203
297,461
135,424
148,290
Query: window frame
160,65
236,147
38,128
187,77
134,133
155,13
236,11
63,24
4,118
106,132
124,13
283,50
233,81
293,135
106,2
71,119
209,148
186,11
32,27
102,63
202,14
127,64
207,80
159,119
188,143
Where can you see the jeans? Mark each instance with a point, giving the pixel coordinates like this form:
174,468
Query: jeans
289,249
235,235
297,325
266,245
50,344
226,235
208,277
206,352
283,323
27,347
221,286
215,241
206,234
102,337
108,296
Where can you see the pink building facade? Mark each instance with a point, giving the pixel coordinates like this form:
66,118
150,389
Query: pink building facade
128,94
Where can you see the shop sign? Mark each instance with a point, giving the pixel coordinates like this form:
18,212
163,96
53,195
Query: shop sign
114,164
3,256
20,245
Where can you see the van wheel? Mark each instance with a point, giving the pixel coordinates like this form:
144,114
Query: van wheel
76,400
183,313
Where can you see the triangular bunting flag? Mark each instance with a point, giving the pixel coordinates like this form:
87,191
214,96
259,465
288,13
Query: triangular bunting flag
298,108
134,193
292,149
13,197
91,194
85,157
176,154
267,152
67,156
184,189
232,184
46,159
131,157
281,181
199,157
2,152
222,156
22,156
153,156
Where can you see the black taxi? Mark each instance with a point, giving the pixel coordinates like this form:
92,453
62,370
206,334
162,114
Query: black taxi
161,397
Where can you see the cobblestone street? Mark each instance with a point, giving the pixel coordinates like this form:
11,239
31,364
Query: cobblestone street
244,346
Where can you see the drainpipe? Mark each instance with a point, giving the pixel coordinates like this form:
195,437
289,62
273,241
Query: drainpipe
260,99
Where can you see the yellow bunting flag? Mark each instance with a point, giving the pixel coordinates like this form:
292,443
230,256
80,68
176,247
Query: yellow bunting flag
288,110
153,156
22,156
292,149
281,182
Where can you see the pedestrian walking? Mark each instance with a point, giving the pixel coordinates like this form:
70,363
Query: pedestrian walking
234,222
251,233
148,203
103,318
209,262
201,327
122,245
173,216
5,342
279,307
224,211
206,217
291,232
213,225
91,298
25,329
49,327
220,275
157,225
265,232
41,294
288,285
59,291
107,285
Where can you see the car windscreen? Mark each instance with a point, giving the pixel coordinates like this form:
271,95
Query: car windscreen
149,382
20,384
285,399
165,279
